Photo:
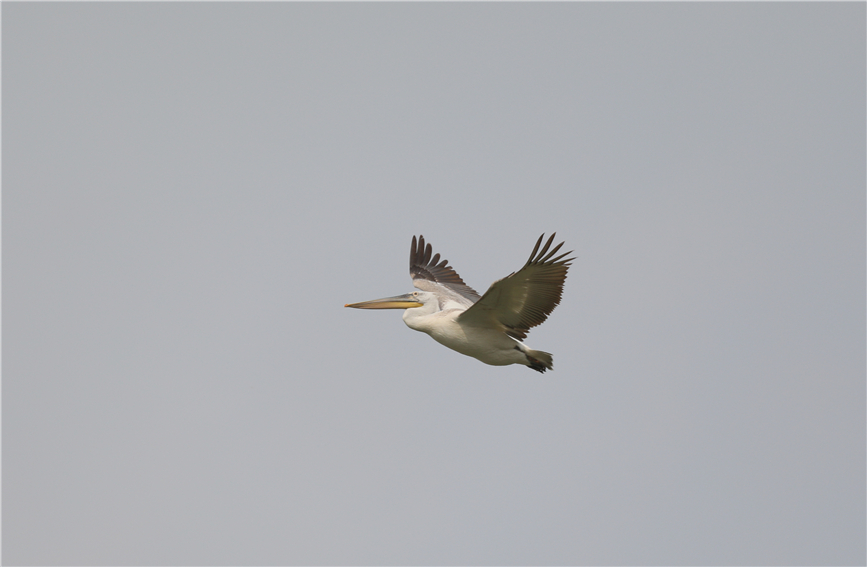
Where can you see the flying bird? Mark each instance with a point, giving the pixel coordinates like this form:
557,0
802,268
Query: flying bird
489,327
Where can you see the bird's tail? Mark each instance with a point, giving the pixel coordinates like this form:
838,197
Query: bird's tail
539,360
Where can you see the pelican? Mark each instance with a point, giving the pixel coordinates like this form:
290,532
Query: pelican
489,327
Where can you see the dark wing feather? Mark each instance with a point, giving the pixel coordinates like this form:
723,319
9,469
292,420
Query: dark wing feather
525,298
424,267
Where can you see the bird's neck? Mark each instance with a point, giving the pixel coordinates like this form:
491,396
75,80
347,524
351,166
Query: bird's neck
418,318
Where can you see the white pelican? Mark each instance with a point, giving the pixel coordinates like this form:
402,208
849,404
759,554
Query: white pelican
488,327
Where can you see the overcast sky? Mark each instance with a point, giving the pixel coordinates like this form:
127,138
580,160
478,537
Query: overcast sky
192,192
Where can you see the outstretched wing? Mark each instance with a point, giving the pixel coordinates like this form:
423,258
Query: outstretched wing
525,298
426,272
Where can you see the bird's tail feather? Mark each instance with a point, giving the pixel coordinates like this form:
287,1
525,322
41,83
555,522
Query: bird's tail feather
539,360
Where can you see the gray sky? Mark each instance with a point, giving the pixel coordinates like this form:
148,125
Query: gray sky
191,192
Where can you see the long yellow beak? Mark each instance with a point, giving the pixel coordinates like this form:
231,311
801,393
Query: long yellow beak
397,302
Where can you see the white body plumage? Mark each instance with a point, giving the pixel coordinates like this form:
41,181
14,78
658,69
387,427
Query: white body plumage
491,346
